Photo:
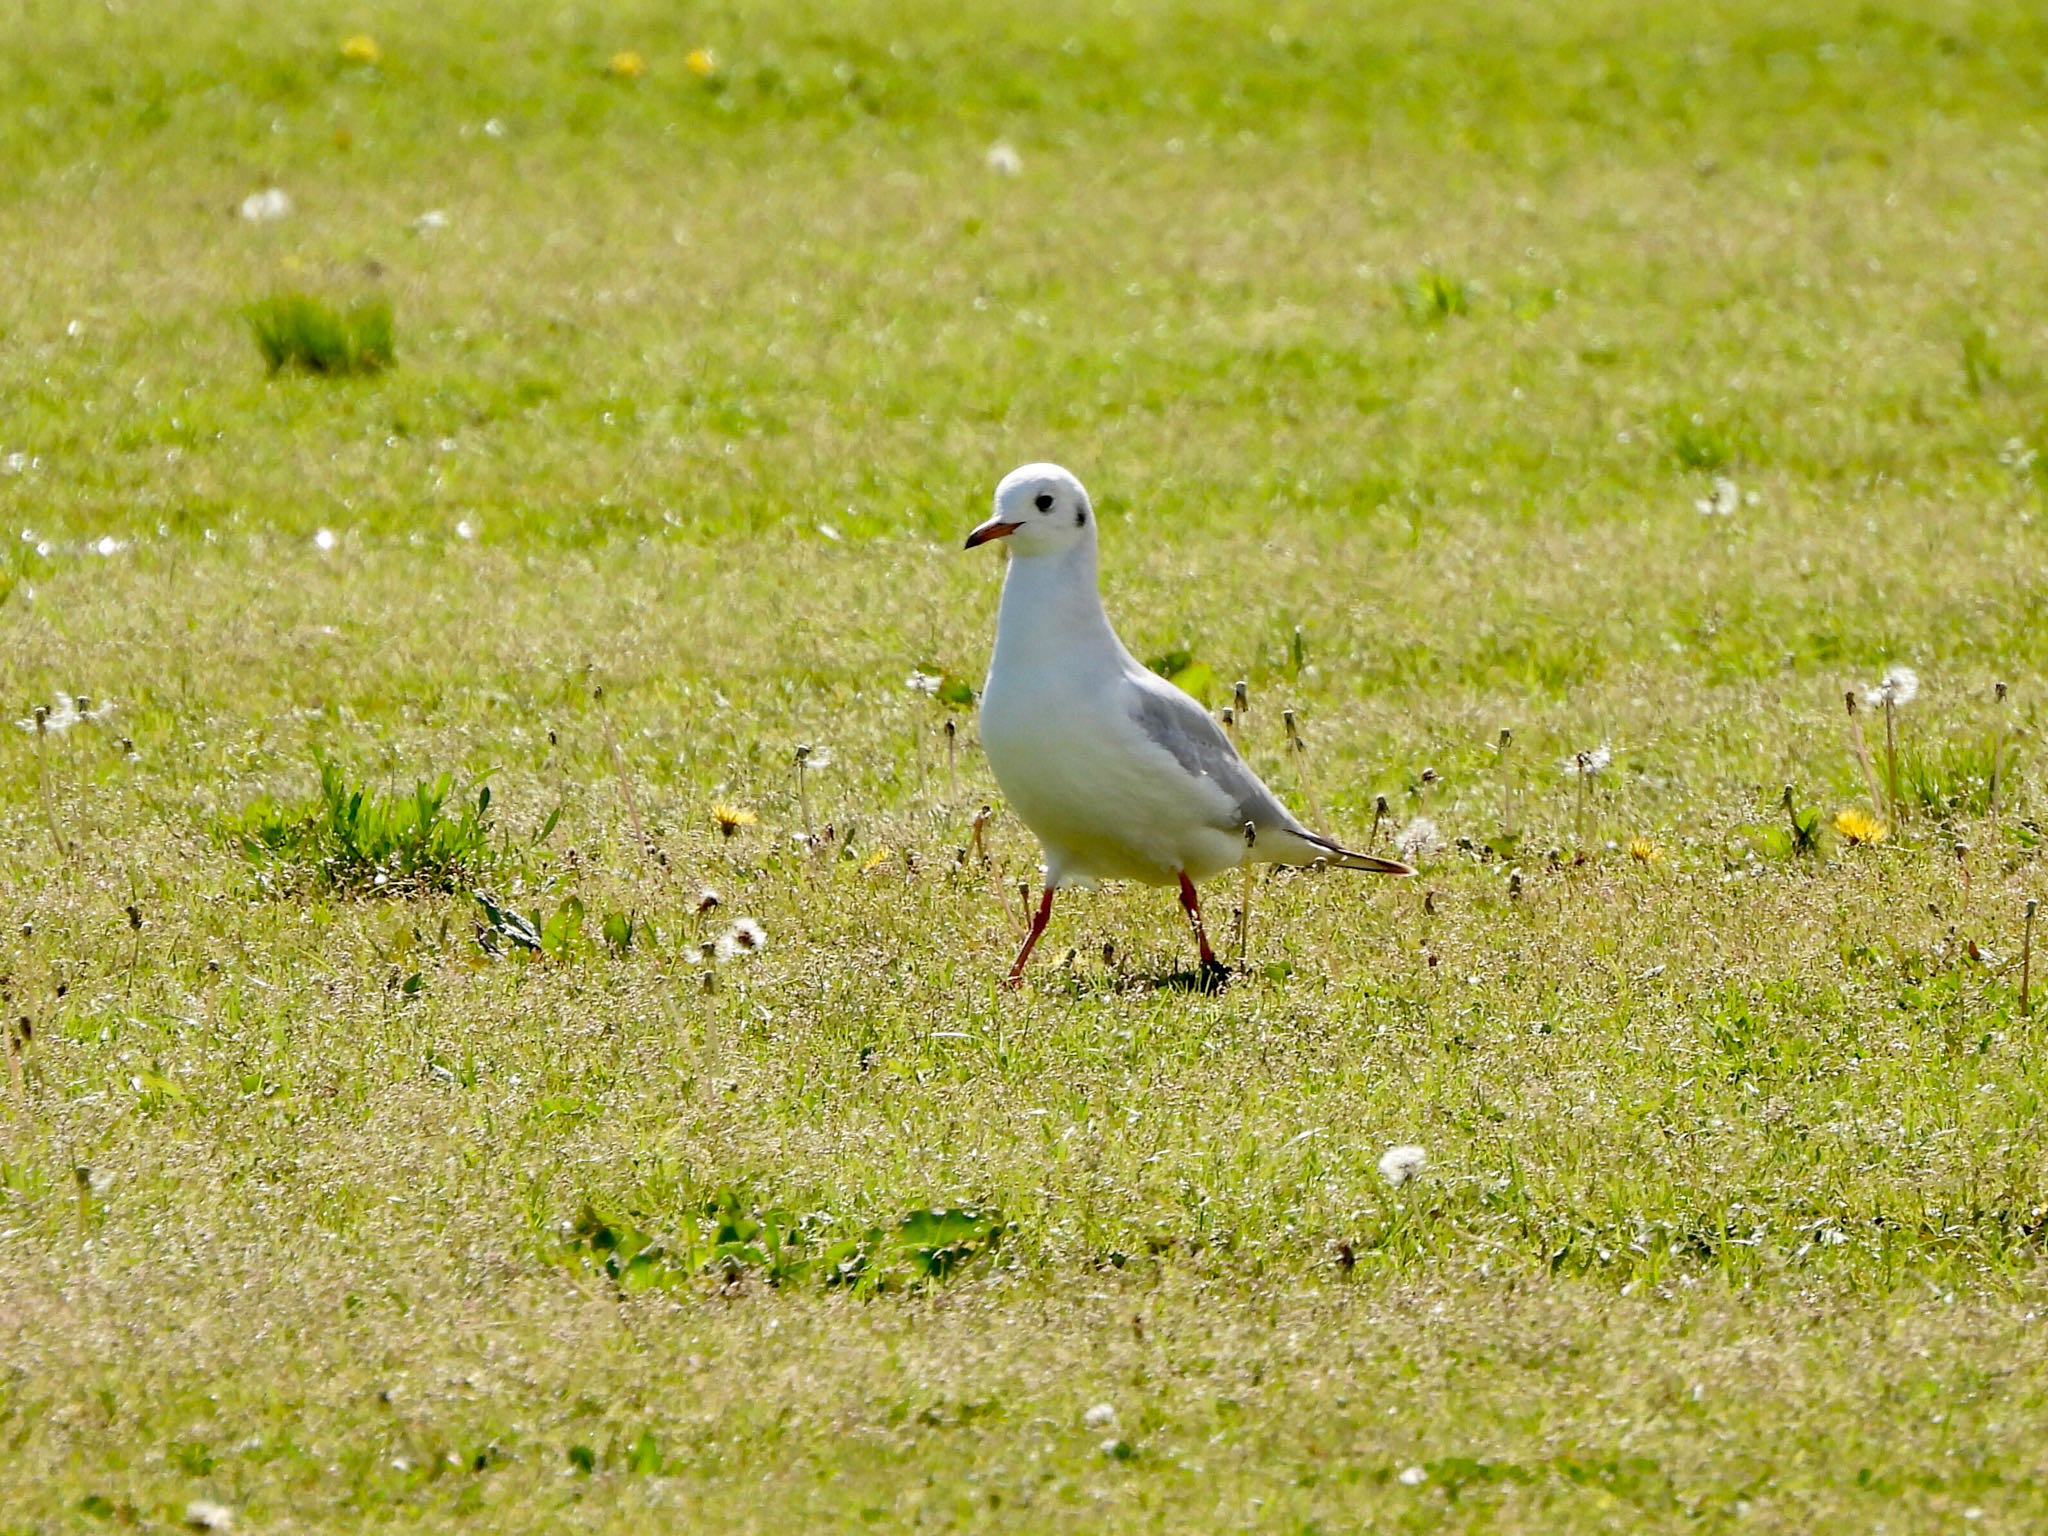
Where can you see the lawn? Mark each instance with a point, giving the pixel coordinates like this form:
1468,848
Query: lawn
501,956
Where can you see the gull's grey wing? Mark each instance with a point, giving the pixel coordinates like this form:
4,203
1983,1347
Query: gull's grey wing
1177,722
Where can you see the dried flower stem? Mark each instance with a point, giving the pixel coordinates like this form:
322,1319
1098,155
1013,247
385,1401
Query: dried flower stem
1862,753
1244,909
611,743
2027,959
1507,788
803,797
42,722
1891,759
952,764
1300,755
1999,692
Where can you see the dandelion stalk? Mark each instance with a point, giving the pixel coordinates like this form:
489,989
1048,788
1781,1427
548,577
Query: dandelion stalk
1234,718
803,796
1379,817
1244,910
1507,788
1891,759
41,720
1998,744
1300,754
2027,958
1862,751
611,743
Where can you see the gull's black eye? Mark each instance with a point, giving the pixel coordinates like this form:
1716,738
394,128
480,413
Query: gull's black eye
1044,501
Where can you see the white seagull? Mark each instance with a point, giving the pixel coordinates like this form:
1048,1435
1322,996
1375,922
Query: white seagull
1120,774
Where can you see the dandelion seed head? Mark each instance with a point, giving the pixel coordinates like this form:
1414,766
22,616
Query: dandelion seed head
1418,840
923,682
206,1515
1101,1416
1400,1164
1412,1477
1895,690
745,937
264,207
465,529
1722,501
325,540
1003,160
431,220
1589,762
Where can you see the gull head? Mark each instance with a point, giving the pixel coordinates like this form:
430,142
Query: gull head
1041,510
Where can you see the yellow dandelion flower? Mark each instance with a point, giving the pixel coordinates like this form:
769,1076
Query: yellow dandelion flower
1860,826
731,818
627,65
876,860
702,63
361,49
1645,850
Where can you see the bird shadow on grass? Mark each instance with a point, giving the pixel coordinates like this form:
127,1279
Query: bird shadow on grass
1209,979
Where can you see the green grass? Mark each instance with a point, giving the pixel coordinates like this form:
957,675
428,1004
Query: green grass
1397,347
293,330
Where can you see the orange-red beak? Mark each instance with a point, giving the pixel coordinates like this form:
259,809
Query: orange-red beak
994,528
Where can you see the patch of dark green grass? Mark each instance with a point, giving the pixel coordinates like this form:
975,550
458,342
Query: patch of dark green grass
1432,297
1697,441
355,841
728,1236
295,330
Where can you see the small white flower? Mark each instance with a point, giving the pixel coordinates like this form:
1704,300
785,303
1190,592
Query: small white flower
923,682
205,1515
494,127
74,329
325,540
465,529
108,546
1897,688
14,464
1413,1477
1589,762
1002,159
1418,840
428,222
1101,1416
262,207
1726,497
1400,1164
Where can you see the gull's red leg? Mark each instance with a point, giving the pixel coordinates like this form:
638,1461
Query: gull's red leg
1194,910
1031,939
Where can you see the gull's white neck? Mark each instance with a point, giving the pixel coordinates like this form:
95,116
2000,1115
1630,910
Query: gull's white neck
1051,615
